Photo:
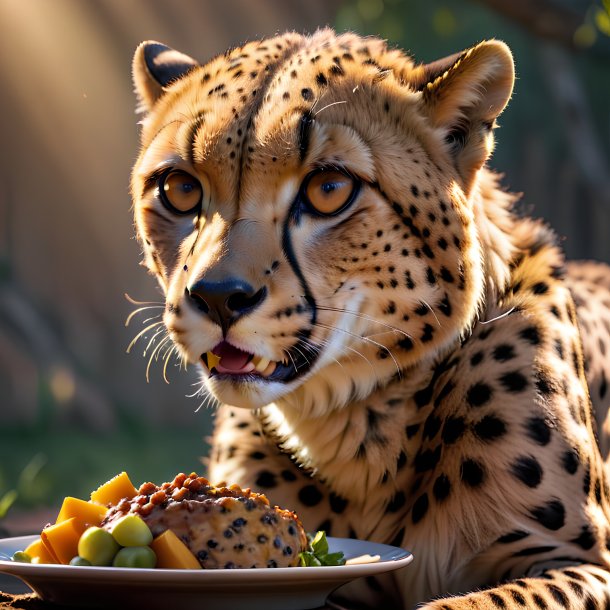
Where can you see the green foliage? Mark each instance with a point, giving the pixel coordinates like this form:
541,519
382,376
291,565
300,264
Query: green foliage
69,461
319,555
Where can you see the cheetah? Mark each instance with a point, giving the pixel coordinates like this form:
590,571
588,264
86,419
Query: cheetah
396,354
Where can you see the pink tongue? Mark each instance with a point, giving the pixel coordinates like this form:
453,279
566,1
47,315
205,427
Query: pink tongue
231,357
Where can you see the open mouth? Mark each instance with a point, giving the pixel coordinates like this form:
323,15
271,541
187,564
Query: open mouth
226,360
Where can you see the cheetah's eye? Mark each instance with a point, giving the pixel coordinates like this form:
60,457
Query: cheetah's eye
180,192
328,192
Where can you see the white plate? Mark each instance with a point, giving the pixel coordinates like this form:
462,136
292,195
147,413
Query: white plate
245,589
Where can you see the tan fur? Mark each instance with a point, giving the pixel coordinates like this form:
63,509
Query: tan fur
447,405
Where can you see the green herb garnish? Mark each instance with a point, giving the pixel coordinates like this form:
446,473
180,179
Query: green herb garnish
318,554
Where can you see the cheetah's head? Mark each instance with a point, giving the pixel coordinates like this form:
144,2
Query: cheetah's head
305,203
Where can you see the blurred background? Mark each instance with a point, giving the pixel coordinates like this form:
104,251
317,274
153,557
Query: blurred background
75,408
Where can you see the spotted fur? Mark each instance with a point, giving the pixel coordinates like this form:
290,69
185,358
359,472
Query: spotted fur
445,358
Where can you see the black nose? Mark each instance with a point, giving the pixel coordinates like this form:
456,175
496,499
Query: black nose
225,301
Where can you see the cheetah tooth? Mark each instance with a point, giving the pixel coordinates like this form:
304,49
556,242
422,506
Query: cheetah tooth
213,360
260,363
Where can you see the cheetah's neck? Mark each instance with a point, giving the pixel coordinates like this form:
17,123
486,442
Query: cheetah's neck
369,437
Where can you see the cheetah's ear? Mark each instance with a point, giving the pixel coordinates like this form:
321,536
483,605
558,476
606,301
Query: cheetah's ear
155,66
463,95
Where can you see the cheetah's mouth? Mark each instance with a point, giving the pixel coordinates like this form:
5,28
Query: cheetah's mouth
228,361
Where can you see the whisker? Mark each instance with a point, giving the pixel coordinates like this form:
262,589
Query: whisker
431,311
167,355
152,355
366,339
329,105
139,309
153,339
365,316
142,332
136,302
502,315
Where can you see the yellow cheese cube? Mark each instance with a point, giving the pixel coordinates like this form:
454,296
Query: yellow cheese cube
62,538
85,513
172,553
113,491
39,553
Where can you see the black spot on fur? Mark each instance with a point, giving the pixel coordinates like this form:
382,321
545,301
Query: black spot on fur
411,430
540,288
405,343
310,495
453,429
472,472
444,306
539,601
396,503
431,426
558,595
531,335
497,600
585,539
266,479
288,476
397,540
307,94
337,503
513,381
513,537
478,394
420,508
489,428
538,430
570,461
442,487
551,515
477,359
503,352
428,459
528,551
517,597
528,470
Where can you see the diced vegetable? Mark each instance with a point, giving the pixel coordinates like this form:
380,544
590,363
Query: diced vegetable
172,553
85,513
131,530
21,557
97,546
114,490
39,553
62,538
135,557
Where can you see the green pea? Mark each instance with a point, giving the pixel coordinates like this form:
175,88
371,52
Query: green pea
97,546
79,561
21,557
135,557
131,530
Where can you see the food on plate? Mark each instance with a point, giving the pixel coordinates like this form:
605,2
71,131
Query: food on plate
184,524
224,527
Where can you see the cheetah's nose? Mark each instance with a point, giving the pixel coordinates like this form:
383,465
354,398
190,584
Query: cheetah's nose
225,301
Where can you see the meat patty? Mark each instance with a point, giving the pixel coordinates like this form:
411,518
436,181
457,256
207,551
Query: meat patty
224,527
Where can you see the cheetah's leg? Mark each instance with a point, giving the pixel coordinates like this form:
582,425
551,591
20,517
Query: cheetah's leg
583,587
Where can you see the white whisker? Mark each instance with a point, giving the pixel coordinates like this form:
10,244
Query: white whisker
142,332
502,315
366,339
139,309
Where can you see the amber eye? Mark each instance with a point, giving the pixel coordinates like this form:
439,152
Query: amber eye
329,191
180,192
